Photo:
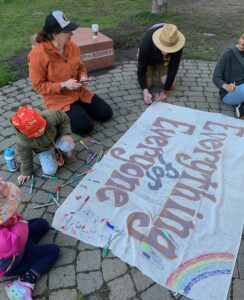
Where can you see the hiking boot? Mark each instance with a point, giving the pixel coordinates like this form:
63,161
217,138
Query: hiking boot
239,110
19,290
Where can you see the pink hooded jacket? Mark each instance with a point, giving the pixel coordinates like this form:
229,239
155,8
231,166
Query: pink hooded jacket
13,237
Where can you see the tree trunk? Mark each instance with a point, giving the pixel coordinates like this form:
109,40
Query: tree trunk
159,6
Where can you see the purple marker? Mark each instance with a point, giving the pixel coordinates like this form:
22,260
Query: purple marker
152,260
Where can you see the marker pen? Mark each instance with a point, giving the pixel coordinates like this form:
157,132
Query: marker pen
54,199
152,260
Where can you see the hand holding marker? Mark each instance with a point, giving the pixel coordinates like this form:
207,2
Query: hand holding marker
86,80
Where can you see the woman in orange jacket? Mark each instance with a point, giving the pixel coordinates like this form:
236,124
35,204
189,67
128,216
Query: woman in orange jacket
58,74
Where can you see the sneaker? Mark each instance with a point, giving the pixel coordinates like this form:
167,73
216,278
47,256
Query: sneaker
19,290
239,110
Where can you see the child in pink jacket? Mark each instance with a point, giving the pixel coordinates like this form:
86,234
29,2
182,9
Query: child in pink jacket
20,253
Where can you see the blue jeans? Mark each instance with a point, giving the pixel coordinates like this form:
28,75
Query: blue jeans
48,160
236,97
38,258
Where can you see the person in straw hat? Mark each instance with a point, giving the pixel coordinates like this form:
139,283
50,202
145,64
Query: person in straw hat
160,50
20,254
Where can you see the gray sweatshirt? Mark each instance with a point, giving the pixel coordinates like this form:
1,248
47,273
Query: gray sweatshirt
228,70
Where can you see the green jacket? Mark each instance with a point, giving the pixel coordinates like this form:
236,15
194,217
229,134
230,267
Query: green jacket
58,124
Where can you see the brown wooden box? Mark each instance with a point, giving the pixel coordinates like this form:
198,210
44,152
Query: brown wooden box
95,53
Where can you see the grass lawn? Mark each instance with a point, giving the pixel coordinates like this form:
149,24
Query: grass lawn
21,18
123,20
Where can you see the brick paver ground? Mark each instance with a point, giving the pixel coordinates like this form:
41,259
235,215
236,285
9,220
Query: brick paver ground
81,269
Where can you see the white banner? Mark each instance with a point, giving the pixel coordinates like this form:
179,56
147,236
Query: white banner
167,199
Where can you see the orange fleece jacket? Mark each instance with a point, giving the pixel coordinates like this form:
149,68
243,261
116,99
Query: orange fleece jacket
48,68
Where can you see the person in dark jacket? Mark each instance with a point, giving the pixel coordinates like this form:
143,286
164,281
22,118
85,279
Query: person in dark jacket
46,133
160,50
228,76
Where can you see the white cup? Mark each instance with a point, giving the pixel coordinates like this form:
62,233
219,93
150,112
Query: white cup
95,29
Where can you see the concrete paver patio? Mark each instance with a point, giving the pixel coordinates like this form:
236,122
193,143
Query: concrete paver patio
81,270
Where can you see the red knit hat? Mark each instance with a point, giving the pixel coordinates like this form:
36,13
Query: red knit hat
28,121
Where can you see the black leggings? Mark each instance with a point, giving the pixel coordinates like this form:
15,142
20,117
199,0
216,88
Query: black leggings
81,114
37,257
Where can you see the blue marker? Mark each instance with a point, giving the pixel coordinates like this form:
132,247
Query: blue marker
113,228
70,181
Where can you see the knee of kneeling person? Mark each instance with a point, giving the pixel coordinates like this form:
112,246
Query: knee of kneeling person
56,250
66,146
50,170
84,129
107,114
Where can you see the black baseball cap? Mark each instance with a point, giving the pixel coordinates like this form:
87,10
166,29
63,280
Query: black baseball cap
57,22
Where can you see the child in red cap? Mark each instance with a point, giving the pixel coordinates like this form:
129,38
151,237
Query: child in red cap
46,133
20,253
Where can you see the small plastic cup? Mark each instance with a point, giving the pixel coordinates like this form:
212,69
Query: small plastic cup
95,29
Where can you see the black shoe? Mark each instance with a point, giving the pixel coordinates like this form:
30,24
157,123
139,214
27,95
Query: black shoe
239,110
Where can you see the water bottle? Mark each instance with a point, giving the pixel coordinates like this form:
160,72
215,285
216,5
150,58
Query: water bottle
10,159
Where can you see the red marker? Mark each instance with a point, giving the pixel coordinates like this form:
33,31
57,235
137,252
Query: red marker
57,192
85,201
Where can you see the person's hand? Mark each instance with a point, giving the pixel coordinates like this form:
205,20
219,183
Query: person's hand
147,96
22,179
67,138
84,80
229,87
18,216
161,96
72,84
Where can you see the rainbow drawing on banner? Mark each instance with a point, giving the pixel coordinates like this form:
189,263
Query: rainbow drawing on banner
199,268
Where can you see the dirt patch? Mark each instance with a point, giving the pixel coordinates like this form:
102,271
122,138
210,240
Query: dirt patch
18,63
209,26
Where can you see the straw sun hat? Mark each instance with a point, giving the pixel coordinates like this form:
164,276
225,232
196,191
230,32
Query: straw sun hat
9,199
168,38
